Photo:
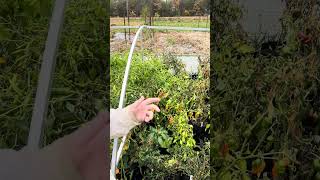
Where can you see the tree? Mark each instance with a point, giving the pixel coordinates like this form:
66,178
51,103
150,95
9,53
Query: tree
162,7
181,8
201,7
144,13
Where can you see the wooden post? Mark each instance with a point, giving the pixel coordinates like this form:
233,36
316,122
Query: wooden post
125,30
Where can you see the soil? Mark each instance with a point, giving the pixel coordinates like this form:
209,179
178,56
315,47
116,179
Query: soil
178,43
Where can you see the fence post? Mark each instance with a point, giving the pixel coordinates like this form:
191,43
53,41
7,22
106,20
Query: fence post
142,57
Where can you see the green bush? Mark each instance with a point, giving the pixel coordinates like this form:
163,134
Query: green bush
166,146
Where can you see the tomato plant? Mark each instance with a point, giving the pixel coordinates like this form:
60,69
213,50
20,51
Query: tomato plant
169,141
265,103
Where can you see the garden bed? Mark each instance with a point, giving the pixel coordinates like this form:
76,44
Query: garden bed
188,43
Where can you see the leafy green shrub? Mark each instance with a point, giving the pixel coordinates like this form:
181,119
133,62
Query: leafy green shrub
166,145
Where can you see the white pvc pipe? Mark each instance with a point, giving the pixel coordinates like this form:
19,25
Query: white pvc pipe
39,113
163,28
115,155
124,27
178,28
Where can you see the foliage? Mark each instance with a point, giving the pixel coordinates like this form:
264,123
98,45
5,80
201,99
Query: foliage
163,147
144,13
265,107
301,24
162,7
197,22
79,85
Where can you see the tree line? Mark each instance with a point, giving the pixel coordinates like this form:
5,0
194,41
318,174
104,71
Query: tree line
164,8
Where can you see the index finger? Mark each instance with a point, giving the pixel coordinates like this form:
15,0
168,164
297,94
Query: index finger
150,100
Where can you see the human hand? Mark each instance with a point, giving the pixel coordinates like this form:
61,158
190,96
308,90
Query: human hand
143,109
87,148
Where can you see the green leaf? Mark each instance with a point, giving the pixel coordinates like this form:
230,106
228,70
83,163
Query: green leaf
207,127
245,49
160,141
242,165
